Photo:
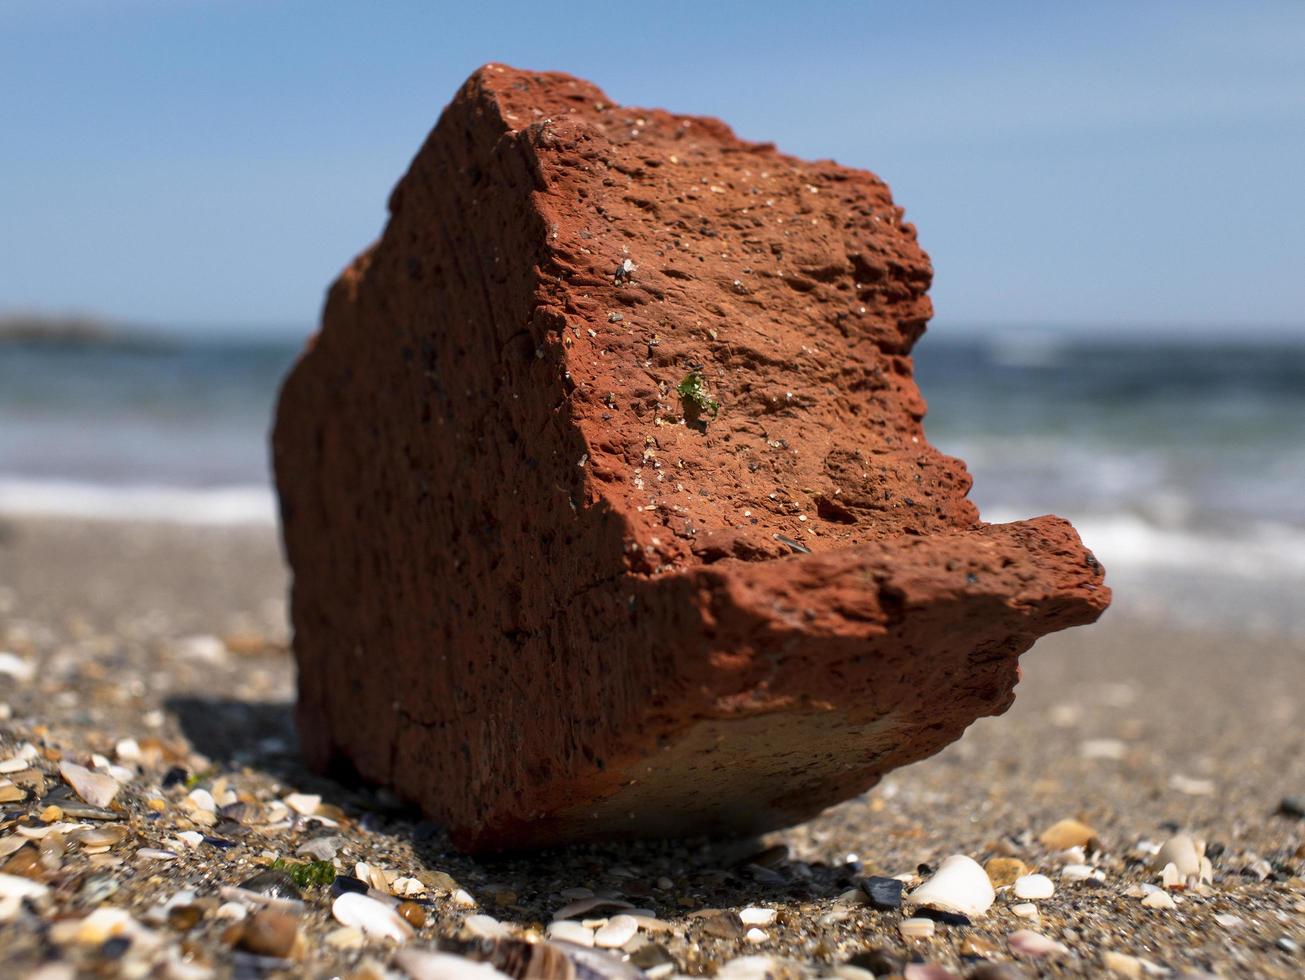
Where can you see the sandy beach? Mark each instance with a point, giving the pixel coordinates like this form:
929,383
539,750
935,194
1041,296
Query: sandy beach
162,648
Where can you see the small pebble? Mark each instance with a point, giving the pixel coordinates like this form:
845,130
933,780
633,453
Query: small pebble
202,799
1004,870
755,936
305,804
183,918
1035,945
1066,834
878,961
273,884
581,906
372,917
996,971
1034,886
620,929
155,854
655,962
927,971
269,932
420,964
570,931
1182,852
1159,900
754,916
884,894
464,899
96,889
720,923
413,914
96,839
485,927
1122,964
959,885
17,668
916,928
348,883
1077,872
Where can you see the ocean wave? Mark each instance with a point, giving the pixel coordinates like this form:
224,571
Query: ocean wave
221,505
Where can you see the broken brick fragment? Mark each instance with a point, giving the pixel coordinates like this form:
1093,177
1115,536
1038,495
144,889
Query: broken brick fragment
606,490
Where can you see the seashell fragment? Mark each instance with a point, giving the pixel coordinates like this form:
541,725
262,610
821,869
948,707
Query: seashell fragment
959,885
1034,886
372,917
94,788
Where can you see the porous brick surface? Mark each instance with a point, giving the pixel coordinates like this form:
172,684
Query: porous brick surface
549,598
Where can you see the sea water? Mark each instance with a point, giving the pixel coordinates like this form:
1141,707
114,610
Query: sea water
1180,460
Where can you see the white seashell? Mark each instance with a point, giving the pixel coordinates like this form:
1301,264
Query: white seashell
757,916
1159,900
1102,748
916,928
1034,886
95,788
1183,852
154,854
1078,872
18,887
751,968
570,931
104,923
1192,787
620,929
755,935
583,905
1171,877
15,667
464,899
305,804
485,927
1025,910
16,764
421,964
251,899
959,885
127,749
1122,964
346,937
202,799
1071,855
372,917
1034,944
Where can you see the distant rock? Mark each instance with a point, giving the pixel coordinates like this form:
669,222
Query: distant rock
46,330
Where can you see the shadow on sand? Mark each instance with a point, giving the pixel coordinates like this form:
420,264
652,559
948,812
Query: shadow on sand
237,735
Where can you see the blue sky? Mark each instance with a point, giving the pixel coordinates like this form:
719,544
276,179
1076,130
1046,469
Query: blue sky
196,163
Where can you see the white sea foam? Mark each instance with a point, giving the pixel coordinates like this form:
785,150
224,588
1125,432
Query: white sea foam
1263,550
224,505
